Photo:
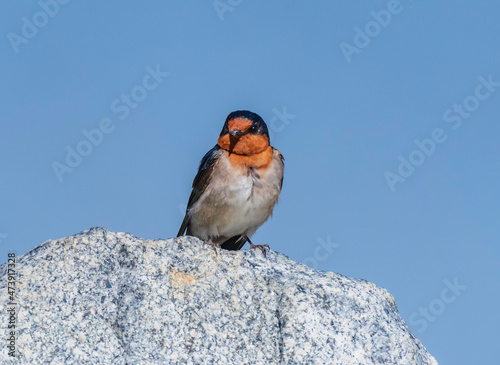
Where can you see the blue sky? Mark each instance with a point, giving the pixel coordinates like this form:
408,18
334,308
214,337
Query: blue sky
387,113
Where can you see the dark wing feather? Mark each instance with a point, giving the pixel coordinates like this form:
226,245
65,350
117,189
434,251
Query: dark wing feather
184,225
200,183
282,159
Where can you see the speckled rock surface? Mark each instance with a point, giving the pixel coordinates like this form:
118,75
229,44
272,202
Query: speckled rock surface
111,298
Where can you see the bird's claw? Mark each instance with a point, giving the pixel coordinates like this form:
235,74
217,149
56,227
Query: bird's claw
263,248
211,243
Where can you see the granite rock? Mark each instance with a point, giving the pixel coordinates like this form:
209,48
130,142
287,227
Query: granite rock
111,298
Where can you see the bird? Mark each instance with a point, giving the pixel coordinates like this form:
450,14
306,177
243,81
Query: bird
237,185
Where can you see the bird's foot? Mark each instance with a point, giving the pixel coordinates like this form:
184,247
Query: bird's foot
211,243
263,248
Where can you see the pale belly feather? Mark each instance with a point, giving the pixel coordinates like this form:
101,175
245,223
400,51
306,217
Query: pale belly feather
235,204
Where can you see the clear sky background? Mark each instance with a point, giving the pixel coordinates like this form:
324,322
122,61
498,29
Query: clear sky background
346,88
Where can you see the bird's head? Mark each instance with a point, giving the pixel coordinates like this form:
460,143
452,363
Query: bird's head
244,133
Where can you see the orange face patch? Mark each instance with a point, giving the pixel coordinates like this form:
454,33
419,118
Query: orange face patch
241,124
249,144
260,161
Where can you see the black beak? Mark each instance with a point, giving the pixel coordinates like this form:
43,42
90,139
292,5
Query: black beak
234,136
236,133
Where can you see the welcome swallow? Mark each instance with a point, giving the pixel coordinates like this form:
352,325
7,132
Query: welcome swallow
237,185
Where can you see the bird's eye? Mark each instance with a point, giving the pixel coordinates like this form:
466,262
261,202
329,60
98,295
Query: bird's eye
253,128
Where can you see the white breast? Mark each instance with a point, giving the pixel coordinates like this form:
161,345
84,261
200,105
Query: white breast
236,203
250,201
